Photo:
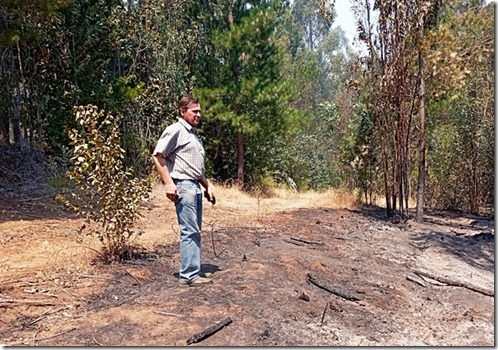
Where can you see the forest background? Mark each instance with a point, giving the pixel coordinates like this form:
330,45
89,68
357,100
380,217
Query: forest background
286,101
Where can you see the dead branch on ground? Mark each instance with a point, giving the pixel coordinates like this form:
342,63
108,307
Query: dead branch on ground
414,280
209,331
97,342
330,289
58,334
306,241
167,314
324,311
293,242
216,255
45,338
45,314
454,283
32,302
136,279
97,277
89,248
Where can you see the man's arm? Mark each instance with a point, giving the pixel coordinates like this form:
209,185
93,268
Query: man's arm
162,169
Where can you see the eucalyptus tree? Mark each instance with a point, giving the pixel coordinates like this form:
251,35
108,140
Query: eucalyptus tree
299,63
336,57
460,76
315,18
419,57
319,62
323,136
392,44
454,51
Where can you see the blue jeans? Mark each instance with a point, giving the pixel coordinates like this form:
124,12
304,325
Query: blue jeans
189,213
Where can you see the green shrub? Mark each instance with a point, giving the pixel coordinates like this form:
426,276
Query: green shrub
107,194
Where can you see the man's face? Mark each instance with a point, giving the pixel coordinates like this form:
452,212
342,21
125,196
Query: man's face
193,114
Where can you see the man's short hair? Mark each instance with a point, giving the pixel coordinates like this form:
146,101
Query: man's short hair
184,102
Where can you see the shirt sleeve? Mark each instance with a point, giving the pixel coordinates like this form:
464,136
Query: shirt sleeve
167,142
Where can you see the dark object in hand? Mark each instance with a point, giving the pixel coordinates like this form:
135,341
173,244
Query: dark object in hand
210,199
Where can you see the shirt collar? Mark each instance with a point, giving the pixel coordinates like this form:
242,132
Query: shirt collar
187,125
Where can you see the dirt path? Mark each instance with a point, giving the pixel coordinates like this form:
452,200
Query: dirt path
54,293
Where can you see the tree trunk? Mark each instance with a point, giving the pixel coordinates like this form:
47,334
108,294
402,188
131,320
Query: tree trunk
310,35
16,118
4,130
473,182
240,158
386,181
236,80
421,112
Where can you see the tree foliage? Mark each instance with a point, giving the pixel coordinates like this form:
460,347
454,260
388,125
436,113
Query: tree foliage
461,152
285,100
248,94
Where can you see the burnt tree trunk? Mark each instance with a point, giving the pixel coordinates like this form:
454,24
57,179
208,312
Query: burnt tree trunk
419,215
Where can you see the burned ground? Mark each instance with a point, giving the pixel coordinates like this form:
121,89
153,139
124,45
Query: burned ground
55,292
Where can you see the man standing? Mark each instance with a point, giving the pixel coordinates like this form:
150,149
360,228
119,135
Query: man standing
179,159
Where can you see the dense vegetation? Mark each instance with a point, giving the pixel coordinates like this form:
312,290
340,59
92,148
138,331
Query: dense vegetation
286,100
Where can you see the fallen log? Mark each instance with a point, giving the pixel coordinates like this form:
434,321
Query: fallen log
330,289
306,241
209,331
454,283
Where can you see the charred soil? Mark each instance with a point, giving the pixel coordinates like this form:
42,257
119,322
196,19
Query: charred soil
286,276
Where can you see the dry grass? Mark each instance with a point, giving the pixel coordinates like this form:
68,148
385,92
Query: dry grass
235,207
380,201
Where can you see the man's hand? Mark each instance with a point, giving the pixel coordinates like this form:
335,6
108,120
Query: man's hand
209,194
171,192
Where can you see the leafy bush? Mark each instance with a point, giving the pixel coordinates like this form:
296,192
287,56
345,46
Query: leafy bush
108,193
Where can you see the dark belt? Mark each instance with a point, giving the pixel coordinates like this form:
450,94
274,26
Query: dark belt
179,180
